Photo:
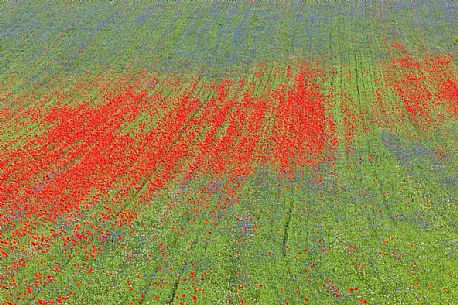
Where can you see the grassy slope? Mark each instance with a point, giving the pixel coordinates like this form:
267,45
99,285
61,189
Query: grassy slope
371,201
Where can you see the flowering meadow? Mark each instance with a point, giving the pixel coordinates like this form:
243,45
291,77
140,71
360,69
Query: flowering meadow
283,152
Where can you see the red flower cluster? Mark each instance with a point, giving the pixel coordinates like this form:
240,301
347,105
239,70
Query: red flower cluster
427,87
63,158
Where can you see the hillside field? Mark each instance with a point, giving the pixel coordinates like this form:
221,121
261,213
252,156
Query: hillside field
228,152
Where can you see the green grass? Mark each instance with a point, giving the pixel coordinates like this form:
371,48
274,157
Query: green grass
381,225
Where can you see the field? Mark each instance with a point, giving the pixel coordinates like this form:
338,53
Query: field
197,152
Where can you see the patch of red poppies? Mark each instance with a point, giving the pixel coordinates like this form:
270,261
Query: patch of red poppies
427,87
69,153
